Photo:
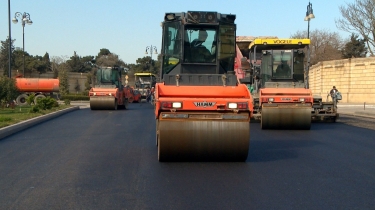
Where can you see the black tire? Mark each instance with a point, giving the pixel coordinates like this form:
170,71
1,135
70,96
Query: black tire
21,99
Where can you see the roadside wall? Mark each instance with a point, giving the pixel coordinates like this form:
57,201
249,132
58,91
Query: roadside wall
354,78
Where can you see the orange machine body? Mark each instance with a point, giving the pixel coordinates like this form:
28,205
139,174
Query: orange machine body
285,95
37,85
119,95
203,98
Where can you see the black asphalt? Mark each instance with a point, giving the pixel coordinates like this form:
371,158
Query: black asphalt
108,160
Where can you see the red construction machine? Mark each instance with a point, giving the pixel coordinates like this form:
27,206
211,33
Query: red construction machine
108,91
202,112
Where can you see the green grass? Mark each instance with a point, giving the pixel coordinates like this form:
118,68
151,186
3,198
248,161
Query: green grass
9,116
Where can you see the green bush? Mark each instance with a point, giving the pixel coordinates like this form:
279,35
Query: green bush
75,97
30,99
47,103
34,109
67,102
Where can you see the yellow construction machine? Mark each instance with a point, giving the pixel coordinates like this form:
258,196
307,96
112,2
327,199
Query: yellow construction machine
281,96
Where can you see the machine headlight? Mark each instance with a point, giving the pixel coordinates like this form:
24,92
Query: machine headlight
110,94
232,105
302,99
176,105
270,99
94,94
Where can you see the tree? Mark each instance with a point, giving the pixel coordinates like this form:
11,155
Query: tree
102,52
324,45
4,55
8,89
109,60
359,17
47,61
355,48
64,78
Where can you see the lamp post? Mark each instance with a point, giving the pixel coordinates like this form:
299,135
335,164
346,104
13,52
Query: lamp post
150,49
10,43
309,15
25,19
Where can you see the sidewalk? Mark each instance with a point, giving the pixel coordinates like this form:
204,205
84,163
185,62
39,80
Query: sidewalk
357,109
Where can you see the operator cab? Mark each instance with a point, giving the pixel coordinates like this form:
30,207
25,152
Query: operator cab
108,77
282,64
198,43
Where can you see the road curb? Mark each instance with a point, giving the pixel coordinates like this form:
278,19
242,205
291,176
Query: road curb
359,114
9,130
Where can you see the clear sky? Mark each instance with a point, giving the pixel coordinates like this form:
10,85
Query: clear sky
126,27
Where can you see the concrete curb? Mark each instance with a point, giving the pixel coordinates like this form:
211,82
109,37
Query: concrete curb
359,114
9,130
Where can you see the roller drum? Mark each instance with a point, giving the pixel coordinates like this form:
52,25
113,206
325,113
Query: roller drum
102,103
288,117
203,140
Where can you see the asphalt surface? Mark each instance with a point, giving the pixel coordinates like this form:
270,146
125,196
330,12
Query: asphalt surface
108,160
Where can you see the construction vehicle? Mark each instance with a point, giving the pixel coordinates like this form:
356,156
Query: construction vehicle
144,82
281,97
39,87
202,112
108,91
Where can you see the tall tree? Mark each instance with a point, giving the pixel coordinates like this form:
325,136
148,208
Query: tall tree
324,45
4,55
355,48
75,63
359,17
47,61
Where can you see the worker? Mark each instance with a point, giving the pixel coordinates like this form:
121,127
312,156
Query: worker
283,69
199,51
148,94
333,93
152,94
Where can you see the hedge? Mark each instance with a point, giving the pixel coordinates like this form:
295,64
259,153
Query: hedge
75,97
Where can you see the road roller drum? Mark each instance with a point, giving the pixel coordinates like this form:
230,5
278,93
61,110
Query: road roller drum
203,140
98,103
286,117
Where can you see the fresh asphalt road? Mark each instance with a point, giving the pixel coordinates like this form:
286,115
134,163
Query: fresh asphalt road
108,160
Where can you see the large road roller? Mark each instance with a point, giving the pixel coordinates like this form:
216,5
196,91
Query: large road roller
202,111
281,97
108,93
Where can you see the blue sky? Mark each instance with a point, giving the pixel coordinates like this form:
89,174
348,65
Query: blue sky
126,27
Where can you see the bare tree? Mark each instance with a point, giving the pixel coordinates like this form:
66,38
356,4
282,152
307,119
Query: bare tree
324,45
359,17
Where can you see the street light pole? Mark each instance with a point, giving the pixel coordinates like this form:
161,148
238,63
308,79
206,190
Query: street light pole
25,19
10,44
151,48
309,15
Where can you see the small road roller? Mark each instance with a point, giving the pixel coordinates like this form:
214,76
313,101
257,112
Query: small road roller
108,91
